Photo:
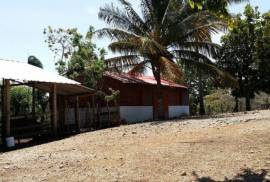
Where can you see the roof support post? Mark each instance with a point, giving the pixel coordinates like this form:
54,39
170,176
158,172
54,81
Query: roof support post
77,115
65,111
54,109
6,108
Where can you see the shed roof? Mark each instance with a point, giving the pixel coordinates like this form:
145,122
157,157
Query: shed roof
26,73
140,79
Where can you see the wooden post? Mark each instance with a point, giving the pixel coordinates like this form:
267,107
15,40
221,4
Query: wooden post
6,109
65,113
89,117
54,109
2,111
77,115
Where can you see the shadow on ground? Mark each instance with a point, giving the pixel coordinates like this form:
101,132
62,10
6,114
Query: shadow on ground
33,142
246,176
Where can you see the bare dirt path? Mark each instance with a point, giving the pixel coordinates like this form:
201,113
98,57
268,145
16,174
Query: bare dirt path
180,150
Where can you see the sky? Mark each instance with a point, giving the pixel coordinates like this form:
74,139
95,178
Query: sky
22,24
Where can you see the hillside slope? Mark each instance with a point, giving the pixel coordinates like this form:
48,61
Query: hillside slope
182,150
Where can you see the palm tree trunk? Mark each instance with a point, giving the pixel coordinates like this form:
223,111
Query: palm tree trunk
201,95
158,110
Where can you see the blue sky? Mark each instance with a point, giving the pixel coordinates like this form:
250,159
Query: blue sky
22,24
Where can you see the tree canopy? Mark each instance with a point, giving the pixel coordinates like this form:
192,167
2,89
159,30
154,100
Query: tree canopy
167,31
244,53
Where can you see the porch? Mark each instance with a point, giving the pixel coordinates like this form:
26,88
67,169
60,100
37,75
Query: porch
59,90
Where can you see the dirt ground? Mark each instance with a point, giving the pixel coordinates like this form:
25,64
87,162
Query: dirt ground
224,148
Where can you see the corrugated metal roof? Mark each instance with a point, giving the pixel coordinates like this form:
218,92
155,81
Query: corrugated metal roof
140,79
24,72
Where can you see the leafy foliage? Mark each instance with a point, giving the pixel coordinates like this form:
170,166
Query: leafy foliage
218,6
78,57
219,101
62,43
262,53
244,54
168,30
200,84
87,61
21,100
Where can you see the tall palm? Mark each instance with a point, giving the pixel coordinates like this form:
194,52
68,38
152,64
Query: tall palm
166,32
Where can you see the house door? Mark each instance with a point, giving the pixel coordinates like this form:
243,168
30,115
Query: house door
161,108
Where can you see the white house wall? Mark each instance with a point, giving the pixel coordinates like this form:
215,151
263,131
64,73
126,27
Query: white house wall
176,111
133,114
130,114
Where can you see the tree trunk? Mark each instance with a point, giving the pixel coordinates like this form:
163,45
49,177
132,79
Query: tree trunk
201,99
158,110
236,108
248,106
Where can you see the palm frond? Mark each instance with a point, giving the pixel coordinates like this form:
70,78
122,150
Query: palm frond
139,68
196,25
142,45
147,11
167,30
210,69
187,54
204,32
132,14
114,34
119,19
122,61
125,47
170,70
205,48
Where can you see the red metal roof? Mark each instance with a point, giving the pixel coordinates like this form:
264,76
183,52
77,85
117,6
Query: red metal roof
140,79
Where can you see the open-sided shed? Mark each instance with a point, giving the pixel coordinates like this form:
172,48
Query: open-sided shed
16,73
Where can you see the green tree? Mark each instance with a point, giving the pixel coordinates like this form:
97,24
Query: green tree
77,56
62,43
21,100
200,84
168,30
262,53
87,61
218,6
238,51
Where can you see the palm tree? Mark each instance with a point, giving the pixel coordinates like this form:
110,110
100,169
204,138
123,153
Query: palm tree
167,31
